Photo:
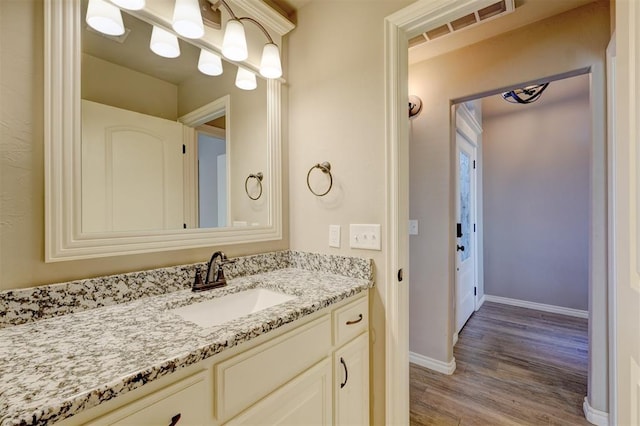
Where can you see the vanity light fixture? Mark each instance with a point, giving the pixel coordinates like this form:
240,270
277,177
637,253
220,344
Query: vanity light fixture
163,43
209,63
234,44
187,20
129,4
245,79
104,17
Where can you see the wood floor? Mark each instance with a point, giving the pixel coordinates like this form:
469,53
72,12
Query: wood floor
515,366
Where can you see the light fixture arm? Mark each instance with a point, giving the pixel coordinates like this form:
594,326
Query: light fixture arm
246,18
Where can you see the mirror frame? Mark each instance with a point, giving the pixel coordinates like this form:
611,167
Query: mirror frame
64,239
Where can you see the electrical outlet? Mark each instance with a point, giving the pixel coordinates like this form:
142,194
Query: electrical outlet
413,227
364,236
334,236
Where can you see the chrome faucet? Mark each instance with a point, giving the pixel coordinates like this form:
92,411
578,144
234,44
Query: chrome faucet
218,279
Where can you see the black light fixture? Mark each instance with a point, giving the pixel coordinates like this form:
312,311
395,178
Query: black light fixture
525,95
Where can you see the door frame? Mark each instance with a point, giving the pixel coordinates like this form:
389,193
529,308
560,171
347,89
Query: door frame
399,27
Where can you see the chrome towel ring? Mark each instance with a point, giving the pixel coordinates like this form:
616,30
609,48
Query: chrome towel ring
258,177
325,167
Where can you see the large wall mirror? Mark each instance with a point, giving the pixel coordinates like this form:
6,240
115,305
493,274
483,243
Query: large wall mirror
146,153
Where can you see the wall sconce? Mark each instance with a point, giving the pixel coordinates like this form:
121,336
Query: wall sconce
104,17
188,22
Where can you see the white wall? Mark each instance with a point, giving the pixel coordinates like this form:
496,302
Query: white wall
554,46
536,196
336,114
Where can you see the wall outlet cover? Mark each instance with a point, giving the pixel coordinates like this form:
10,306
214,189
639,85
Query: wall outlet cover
334,236
413,227
365,236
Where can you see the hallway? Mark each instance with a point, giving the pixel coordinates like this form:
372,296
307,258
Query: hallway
515,366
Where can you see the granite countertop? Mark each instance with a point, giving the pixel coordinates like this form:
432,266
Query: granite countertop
56,367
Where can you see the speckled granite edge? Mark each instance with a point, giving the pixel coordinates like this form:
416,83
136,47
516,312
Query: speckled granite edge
352,267
32,304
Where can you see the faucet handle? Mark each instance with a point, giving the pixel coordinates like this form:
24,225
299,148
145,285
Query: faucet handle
198,284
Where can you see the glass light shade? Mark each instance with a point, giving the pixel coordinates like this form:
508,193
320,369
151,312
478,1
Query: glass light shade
129,4
104,17
234,43
270,66
245,79
209,63
164,44
187,20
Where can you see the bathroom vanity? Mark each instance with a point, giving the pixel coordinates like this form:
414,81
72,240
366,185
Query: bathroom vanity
301,361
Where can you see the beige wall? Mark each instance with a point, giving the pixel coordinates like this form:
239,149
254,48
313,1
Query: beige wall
536,196
336,99
110,84
557,45
247,121
22,169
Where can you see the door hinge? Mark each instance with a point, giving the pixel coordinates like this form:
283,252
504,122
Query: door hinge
475,291
184,226
474,164
184,149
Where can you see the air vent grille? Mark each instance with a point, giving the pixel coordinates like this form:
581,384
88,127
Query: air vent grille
464,19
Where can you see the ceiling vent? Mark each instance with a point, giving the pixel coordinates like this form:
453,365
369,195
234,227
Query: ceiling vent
464,17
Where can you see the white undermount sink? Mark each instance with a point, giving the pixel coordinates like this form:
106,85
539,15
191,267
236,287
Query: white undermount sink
226,308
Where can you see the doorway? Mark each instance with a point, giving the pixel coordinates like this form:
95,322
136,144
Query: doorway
535,58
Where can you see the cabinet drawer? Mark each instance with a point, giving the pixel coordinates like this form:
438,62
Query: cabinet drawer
187,398
248,377
350,320
306,400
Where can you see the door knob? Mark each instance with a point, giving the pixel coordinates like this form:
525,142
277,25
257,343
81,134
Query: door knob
459,248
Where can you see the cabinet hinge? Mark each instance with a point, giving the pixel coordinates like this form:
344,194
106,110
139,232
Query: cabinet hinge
184,151
184,225
474,164
474,227
475,291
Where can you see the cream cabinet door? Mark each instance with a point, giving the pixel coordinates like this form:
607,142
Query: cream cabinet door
351,387
132,171
306,400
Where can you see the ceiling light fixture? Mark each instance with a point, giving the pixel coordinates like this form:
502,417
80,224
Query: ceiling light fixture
129,4
209,63
187,20
525,95
245,79
163,43
104,17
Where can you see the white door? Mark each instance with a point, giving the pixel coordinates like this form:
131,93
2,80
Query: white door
625,214
131,171
465,199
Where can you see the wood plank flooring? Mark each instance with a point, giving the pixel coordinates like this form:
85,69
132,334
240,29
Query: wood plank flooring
515,366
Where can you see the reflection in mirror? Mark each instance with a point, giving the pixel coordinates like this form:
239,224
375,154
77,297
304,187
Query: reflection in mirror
165,147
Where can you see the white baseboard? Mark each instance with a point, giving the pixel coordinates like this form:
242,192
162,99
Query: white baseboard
433,364
538,306
481,302
593,416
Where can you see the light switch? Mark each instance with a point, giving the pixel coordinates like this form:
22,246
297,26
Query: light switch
364,236
413,227
334,236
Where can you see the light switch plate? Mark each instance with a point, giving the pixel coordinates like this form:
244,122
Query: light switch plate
413,227
334,236
364,236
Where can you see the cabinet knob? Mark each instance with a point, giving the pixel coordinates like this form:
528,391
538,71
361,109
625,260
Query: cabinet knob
346,373
175,419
